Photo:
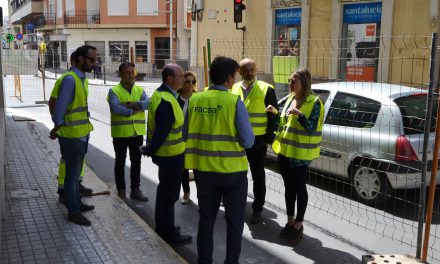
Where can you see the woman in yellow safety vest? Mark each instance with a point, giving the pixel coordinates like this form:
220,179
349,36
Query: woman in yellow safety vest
297,144
185,93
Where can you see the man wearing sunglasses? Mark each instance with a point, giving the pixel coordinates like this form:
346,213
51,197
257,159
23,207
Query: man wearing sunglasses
257,95
72,128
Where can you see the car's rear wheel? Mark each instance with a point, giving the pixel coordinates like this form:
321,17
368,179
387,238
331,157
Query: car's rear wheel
370,185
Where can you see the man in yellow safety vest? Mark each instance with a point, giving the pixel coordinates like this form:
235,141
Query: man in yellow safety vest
257,95
218,133
128,103
166,147
73,127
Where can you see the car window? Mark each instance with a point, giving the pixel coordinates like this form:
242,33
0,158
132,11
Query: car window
353,111
413,109
322,94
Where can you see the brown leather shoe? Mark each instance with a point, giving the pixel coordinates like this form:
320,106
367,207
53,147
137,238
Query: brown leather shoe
136,194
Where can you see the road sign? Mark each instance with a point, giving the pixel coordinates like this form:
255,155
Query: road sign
10,37
19,36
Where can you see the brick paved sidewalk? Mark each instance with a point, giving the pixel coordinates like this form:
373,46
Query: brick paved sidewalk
35,228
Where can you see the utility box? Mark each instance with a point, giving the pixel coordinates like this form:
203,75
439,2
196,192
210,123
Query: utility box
390,259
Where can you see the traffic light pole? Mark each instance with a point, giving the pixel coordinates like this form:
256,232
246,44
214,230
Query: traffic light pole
241,28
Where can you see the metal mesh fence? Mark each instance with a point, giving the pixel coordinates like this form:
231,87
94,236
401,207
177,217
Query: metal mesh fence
375,99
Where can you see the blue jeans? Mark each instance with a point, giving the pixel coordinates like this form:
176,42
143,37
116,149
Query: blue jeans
73,151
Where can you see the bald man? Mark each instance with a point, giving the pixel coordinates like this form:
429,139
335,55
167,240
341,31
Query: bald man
257,95
166,146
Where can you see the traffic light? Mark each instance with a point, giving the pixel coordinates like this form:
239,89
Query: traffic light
238,10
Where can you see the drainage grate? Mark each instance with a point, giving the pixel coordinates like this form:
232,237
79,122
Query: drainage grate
24,193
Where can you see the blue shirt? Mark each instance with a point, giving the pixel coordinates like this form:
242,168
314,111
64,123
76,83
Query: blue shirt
117,108
66,94
242,124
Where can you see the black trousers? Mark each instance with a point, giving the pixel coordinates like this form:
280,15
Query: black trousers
170,173
211,187
295,187
120,145
257,158
185,180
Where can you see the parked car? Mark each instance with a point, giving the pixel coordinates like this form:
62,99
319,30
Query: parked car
373,136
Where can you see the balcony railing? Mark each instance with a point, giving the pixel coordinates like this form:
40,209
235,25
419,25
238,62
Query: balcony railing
46,20
82,18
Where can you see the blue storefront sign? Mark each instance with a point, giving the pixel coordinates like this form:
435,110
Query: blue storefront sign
362,13
291,16
30,26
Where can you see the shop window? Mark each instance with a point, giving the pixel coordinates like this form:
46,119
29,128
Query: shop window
141,49
119,51
361,42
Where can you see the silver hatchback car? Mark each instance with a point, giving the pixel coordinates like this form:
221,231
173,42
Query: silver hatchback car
373,136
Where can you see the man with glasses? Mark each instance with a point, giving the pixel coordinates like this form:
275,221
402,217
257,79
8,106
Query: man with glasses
128,103
166,147
73,127
257,95
84,191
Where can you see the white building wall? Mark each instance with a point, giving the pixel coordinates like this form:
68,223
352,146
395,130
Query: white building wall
183,35
78,37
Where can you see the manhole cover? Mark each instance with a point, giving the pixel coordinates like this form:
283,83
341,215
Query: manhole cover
22,118
24,193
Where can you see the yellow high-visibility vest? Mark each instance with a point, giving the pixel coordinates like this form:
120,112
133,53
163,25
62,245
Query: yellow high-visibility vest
212,144
174,144
254,103
76,120
127,126
293,141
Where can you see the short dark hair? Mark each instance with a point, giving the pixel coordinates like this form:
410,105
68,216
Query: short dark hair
73,57
167,71
125,65
84,50
221,68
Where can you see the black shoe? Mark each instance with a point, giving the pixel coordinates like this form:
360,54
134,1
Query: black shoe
256,217
79,219
86,207
284,234
84,191
179,240
295,235
177,229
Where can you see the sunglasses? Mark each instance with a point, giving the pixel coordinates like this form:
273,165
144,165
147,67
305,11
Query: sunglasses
291,81
190,82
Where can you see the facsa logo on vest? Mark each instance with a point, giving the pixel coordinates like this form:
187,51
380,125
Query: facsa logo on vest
207,110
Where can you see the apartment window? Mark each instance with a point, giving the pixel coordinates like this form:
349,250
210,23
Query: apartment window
51,9
147,8
100,48
118,8
70,8
141,49
59,8
119,51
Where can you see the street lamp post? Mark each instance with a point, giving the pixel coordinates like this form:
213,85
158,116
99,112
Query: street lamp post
170,2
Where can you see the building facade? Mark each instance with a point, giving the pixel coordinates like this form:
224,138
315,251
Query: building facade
122,30
368,40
